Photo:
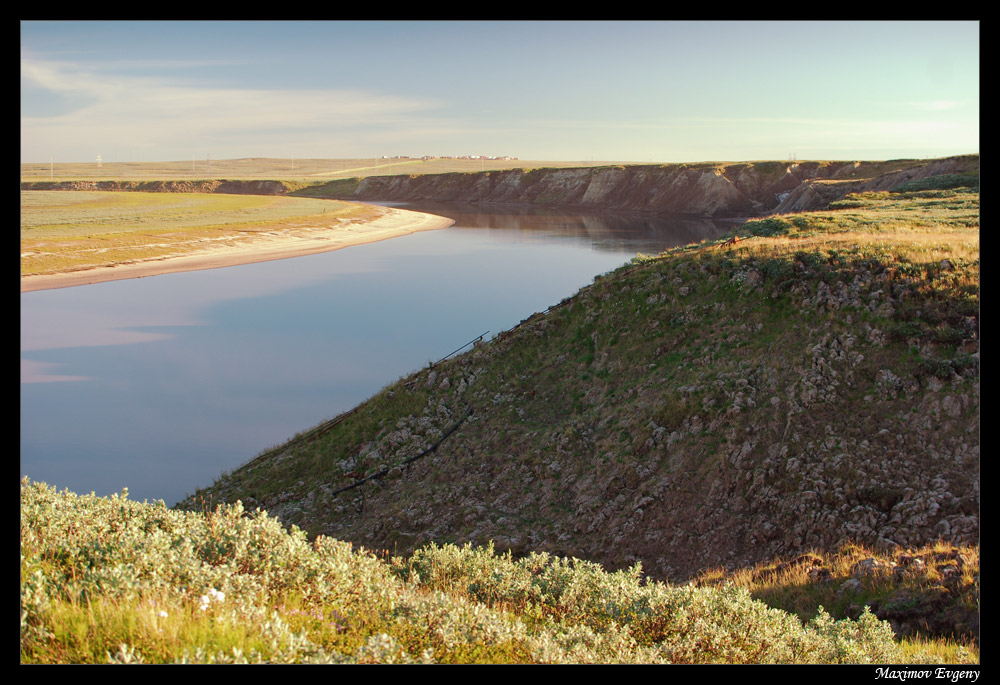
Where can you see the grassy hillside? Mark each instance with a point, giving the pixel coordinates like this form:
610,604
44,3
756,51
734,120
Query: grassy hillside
108,580
813,385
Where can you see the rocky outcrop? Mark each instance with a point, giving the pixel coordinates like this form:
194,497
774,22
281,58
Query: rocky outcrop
813,194
747,188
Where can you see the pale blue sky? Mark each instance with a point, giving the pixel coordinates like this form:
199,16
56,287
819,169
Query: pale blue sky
573,91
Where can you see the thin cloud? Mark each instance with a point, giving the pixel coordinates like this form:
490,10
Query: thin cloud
38,372
116,107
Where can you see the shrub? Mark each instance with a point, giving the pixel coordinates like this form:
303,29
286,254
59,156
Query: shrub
110,580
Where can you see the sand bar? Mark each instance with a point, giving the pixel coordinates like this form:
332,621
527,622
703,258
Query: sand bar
261,248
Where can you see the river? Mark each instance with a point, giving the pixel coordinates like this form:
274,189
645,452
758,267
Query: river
160,384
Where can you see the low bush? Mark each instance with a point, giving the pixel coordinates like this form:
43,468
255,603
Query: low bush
111,580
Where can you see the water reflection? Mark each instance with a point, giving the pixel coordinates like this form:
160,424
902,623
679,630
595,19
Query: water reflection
605,231
160,384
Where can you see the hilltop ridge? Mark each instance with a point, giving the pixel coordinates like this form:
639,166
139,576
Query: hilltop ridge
707,189
703,189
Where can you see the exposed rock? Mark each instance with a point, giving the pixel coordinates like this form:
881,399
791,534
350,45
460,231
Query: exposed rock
703,189
871,567
851,585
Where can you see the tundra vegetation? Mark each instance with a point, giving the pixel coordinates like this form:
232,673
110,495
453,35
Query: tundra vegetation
68,231
106,579
257,168
763,449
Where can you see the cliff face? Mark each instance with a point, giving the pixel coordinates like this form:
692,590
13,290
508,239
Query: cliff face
747,188
705,190
817,193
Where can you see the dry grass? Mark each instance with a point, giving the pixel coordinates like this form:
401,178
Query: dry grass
915,248
917,227
66,231
939,581
283,169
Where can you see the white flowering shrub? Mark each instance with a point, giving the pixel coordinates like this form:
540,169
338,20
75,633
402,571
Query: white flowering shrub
865,641
217,574
110,580
662,623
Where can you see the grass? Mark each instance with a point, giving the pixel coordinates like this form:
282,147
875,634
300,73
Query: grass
915,226
929,591
66,231
266,168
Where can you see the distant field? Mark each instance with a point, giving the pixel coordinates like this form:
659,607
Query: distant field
276,169
65,231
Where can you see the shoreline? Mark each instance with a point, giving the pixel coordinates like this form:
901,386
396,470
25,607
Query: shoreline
393,224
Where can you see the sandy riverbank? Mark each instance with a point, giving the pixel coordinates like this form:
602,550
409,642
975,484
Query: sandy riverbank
260,248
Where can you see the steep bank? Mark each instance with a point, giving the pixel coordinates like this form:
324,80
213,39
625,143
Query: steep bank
710,407
750,188
708,189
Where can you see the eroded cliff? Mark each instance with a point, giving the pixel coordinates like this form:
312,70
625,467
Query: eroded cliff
746,188
705,190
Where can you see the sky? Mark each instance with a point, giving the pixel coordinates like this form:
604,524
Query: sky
646,91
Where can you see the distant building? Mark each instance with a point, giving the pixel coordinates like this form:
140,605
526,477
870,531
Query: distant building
490,157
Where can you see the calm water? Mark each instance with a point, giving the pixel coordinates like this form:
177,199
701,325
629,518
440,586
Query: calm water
160,384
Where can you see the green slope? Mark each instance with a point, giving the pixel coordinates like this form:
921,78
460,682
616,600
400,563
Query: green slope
712,406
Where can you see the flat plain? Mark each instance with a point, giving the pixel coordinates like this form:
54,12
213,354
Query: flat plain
281,169
65,231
